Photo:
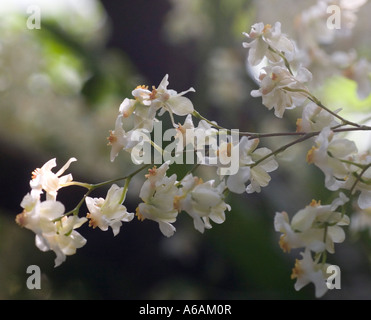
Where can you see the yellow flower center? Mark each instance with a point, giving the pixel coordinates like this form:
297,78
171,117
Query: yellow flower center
181,129
35,173
153,94
112,138
176,201
142,87
315,203
267,28
283,244
139,215
310,155
227,150
20,219
151,172
297,271
92,222
299,122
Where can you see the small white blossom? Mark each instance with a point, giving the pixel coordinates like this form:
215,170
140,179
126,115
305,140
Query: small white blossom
328,155
289,239
165,99
315,118
63,240
181,131
281,90
202,201
127,107
315,221
44,179
158,193
172,101
316,227
195,139
364,199
53,230
258,175
119,139
108,212
38,216
205,134
308,271
225,156
265,36
143,114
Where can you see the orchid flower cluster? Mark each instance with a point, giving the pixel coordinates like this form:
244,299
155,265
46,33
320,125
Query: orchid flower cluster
316,227
283,84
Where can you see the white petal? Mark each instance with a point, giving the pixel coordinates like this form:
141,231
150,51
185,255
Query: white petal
364,200
65,167
268,164
281,221
51,209
116,227
260,176
253,187
164,83
256,93
336,234
236,183
257,52
316,246
198,223
41,243
61,257
303,219
90,204
179,105
339,201
79,222
217,217
114,194
303,75
166,228
319,284
342,147
50,164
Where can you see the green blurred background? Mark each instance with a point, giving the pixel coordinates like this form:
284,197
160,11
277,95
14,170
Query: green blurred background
60,89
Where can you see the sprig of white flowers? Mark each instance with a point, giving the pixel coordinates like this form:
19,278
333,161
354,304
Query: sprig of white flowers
282,85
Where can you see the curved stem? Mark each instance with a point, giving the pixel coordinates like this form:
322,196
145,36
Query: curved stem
101,184
92,187
286,62
306,136
314,99
345,121
196,114
284,147
351,190
126,187
253,135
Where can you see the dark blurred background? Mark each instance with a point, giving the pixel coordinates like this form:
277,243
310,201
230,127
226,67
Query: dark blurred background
60,89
